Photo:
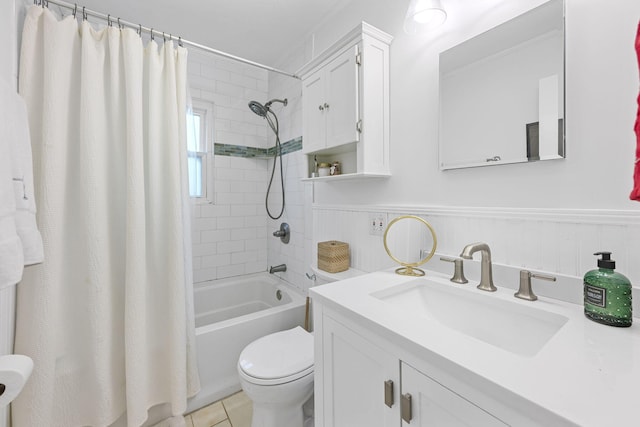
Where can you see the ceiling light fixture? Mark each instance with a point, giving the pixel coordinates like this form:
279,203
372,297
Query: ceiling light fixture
424,15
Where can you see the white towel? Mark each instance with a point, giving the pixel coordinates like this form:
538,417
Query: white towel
20,240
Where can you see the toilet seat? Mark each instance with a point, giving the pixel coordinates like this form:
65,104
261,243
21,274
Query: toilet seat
278,358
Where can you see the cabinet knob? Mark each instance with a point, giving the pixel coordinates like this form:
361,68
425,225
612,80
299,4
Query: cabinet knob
326,106
320,107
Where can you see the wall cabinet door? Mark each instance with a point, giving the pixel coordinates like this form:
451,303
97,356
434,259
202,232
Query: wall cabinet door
354,376
313,112
330,104
434,405
342,109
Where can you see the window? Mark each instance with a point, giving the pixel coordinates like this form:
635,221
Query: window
200,151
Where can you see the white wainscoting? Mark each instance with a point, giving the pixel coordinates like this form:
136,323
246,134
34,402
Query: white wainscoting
558,241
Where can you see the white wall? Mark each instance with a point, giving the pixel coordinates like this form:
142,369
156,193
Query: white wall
602,83
601,91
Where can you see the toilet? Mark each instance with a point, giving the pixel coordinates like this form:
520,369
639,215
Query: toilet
276,373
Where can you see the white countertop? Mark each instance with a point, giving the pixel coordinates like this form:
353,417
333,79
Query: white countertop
587,373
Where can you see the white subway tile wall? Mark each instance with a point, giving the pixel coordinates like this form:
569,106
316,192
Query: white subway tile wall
298,195
229,236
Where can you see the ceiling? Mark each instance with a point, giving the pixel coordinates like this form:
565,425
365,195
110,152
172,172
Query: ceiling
258,30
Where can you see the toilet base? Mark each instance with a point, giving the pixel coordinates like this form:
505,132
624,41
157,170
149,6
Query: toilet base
277,416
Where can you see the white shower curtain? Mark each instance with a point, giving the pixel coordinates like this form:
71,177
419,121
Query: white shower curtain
108,317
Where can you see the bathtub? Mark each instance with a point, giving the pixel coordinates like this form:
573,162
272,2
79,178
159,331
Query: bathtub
231,313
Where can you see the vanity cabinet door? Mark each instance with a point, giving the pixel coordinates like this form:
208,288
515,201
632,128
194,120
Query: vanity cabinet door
432,404
354,376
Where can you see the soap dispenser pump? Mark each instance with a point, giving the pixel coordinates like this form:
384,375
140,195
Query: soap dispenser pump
607,294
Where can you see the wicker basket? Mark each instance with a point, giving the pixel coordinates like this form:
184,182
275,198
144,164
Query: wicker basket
333,256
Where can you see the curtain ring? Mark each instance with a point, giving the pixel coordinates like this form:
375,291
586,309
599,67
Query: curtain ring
140,30
180,41
164,37
109,21
152,34
84,13
119,24
75,10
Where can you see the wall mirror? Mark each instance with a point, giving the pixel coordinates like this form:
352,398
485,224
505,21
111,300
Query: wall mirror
410,241
502,93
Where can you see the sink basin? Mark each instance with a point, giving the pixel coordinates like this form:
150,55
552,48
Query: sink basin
509,325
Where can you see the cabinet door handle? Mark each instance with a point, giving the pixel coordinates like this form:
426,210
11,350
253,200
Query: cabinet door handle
405,407
388,393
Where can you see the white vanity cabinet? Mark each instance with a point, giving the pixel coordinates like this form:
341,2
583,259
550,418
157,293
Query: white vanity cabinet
355,375
384,328
359,383
345,105
429,403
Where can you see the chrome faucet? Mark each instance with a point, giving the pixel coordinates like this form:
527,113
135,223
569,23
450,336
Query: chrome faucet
486,275
278,268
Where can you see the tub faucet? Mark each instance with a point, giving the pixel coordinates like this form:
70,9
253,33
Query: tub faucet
486,275
277,268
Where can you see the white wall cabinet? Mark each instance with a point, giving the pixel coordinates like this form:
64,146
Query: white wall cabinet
358,383
330,104
345,102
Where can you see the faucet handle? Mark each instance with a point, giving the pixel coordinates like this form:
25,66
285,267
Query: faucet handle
525,292
458,269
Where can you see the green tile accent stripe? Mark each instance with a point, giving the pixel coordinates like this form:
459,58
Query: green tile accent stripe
243,151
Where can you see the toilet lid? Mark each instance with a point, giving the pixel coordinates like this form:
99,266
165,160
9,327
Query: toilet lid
279,355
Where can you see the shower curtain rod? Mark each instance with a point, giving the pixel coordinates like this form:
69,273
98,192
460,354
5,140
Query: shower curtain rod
122,23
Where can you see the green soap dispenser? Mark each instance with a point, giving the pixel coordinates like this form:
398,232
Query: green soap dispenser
607,294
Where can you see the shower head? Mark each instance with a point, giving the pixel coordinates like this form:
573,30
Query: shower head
261,110
258,108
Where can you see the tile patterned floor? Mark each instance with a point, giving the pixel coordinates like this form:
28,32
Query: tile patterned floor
233,411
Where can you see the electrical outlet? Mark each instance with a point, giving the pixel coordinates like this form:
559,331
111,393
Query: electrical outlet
377,223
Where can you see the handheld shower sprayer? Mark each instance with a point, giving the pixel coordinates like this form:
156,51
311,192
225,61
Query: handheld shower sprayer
262,111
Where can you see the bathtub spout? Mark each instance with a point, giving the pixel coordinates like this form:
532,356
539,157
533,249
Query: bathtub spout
278,268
